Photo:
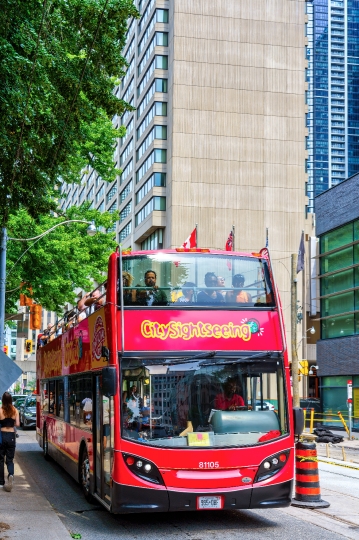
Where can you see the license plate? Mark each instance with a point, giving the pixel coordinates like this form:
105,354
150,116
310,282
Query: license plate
209,503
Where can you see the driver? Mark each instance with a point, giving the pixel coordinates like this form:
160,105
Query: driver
230,400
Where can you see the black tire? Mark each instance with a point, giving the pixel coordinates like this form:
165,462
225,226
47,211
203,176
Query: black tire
21,423
85,479
45,445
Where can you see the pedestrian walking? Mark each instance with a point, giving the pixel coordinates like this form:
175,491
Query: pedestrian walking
9,419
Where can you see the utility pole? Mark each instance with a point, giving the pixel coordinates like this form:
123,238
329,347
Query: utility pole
293,320
3,241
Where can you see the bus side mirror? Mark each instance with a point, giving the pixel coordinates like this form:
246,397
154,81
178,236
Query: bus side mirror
298,417
109,381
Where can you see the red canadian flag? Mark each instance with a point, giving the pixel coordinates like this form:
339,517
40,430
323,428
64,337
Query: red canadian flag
191,241
229,243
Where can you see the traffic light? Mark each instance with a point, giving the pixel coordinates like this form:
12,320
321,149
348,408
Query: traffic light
26,296
6,349
303,367
35,316
28,346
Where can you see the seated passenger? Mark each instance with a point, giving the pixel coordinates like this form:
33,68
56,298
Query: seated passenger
210,296
221,282
188,293
129,297
230,400
152,295
238,295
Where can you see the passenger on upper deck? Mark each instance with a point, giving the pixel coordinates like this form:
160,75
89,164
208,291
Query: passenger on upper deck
210,296
188,292
238,295
129,296
152,296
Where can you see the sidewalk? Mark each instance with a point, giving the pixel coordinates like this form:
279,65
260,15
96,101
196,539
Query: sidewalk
345,453
25,513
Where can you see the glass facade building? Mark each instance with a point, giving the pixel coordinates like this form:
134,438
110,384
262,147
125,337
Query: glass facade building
332,97
339,281
338,348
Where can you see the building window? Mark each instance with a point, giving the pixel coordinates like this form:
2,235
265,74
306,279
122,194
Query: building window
100,193
161,61
154,241
146,99
127,113
146,34
127,151
129,90
126,171
156,156
125,231
157,132
162,15
101,208
111,193
162,39
145,15
126,211
156,203
113,208
129,128
130,50
82,194
146,78
128,72
125,192
90,194
161,85
146,55
156,179
130,29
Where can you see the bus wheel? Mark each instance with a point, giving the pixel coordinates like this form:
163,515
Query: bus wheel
45,445
85,479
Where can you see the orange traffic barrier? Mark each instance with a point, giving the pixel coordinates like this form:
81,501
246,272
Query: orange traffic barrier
307,487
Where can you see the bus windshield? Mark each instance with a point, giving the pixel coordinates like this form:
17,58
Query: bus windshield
195,279
207,402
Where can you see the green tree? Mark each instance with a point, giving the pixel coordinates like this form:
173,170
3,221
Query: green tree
61,261
59,64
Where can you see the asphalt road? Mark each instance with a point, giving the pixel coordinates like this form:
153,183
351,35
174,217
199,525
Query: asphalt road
95,523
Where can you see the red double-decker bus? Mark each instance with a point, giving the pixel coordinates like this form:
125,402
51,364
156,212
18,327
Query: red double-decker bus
172,391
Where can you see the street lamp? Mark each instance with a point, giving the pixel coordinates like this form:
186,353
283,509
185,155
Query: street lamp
91,231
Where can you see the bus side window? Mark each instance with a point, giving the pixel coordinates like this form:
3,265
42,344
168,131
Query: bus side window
44,396
52,397
60,398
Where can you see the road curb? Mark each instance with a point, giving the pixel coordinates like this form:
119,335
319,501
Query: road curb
346,464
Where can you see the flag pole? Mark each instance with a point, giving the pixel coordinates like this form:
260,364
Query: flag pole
196,234
267,237
233,238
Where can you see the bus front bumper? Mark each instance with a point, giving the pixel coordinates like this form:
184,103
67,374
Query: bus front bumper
130,499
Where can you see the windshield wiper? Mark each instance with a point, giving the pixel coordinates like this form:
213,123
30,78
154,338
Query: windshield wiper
237,360
170,361
188,359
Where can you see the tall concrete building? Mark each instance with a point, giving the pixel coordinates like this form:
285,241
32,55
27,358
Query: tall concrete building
332,28
218,135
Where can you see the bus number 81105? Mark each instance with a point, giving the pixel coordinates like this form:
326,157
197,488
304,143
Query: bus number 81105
208,464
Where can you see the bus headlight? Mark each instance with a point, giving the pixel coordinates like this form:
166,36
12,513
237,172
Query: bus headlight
143,468
271,466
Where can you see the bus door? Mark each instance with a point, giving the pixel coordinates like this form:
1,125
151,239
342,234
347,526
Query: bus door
103,441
